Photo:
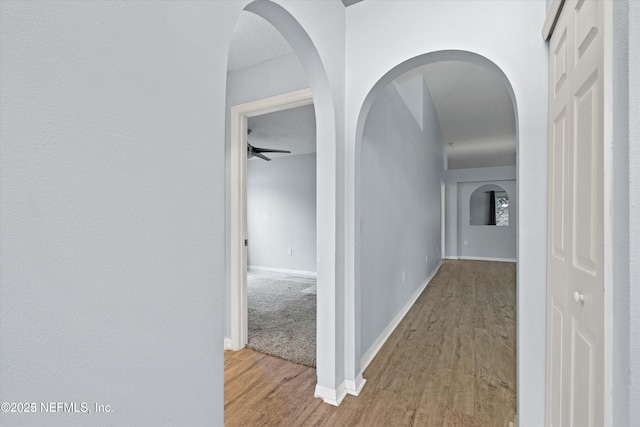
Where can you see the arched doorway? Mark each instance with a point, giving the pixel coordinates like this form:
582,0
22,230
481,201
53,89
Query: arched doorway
362,356
309,58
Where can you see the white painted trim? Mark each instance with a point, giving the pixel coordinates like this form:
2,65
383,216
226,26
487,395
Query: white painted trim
238,173
354,387
284,270
227,344
275,103
552,17
443,217
331,396
367,358
479,258
472,258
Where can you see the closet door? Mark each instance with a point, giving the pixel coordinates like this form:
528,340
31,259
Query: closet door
575,251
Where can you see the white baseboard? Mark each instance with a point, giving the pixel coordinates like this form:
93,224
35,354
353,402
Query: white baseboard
366,358
284,270
227,344
354,387
331,396
479,258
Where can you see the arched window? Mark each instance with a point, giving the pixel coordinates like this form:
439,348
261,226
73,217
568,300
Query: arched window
489,205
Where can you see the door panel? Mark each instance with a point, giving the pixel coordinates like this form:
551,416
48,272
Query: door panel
586,197
556,351
557,185
582,377
575,236
557,235
559,62
586,24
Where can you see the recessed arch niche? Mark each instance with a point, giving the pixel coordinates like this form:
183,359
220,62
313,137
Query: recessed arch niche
489,205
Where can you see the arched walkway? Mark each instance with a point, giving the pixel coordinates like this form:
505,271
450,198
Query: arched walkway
355,360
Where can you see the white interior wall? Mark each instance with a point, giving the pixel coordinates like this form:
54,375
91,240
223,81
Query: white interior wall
281,213
401,172
398,31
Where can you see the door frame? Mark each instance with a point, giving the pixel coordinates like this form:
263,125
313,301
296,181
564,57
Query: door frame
238,177
443,218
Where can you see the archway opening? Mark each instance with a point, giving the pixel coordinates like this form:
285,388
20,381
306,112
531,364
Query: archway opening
320,94
397,221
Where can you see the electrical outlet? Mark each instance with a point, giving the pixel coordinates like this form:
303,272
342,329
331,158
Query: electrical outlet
403,277
289,251
466,242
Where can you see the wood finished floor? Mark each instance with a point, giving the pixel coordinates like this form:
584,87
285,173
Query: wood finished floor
450,362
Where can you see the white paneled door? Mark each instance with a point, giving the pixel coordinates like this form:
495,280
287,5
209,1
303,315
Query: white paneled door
575,252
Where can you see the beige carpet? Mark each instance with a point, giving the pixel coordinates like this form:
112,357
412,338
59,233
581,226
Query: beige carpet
282,317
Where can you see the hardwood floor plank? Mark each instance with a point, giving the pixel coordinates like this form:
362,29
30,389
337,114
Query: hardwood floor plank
450,362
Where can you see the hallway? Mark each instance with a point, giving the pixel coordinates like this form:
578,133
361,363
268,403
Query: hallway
451,361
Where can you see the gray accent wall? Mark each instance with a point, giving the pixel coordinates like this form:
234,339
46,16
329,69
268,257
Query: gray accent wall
281,212
482,241
626,213
401,169
633,89
112,210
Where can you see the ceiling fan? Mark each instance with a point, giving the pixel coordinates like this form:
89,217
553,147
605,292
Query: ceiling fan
257,151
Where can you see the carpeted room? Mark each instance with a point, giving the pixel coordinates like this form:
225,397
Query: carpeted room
281,232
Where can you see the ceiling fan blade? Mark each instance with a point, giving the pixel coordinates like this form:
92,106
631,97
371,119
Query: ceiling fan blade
262,156
255,151
268,150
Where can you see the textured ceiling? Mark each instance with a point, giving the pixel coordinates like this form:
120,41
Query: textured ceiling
293,129
255,40
475,113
